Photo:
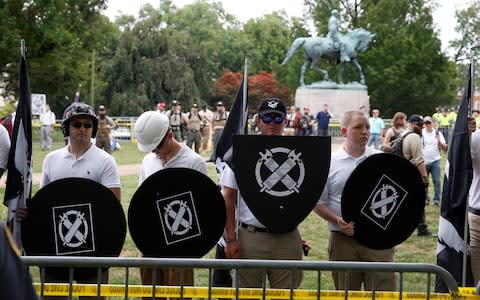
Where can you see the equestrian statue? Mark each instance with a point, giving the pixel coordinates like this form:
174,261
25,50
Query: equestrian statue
337,47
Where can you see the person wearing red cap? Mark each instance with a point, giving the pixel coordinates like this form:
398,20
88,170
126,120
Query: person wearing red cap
162,107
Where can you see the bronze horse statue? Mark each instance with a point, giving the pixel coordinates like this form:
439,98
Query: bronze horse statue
315,48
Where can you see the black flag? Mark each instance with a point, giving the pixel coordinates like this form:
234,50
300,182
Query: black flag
458,177
236,124
19,177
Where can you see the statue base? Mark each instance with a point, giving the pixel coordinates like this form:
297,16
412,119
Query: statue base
340,98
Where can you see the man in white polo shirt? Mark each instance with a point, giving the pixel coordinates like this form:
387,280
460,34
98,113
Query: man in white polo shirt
341,245
155,137
81,158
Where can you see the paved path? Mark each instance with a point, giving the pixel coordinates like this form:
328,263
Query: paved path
133,169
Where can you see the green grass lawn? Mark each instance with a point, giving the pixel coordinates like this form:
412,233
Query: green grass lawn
313,229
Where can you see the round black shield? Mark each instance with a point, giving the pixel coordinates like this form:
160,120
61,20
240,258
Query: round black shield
385,197
74,216
176,212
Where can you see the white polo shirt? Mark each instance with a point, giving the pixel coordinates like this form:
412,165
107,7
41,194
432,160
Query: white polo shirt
341,166
4,147
185,158
95,164
474,198
245,215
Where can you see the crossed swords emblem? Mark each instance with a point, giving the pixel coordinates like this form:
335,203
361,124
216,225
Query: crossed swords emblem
180,224
73,229
280,172
384,201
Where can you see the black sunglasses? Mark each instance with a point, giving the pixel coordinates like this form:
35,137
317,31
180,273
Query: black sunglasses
267,119
79,124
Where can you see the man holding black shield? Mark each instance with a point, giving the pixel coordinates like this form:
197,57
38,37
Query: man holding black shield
254,240
80,158
155,137
342,246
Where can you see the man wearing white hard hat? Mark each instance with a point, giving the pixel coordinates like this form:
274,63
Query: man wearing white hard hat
155,137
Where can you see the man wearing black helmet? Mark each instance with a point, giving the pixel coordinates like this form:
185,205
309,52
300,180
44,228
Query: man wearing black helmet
80,158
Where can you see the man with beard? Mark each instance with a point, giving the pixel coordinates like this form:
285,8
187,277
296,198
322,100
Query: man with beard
413,151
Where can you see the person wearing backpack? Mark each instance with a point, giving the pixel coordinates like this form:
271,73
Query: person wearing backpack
412,150
433,142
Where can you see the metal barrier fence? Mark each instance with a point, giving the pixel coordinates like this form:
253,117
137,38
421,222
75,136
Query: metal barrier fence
126,289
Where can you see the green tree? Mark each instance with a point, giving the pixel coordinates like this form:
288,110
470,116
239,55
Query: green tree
405,68
60,37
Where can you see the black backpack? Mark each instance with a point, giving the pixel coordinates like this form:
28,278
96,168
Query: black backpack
397,144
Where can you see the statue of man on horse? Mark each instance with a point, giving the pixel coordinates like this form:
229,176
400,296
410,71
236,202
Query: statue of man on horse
337,47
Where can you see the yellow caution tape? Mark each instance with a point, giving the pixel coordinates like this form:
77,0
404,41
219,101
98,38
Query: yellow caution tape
62,289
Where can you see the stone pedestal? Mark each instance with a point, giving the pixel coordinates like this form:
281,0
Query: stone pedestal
340,98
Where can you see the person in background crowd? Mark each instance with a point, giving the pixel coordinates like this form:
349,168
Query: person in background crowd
105,126
342,246
193,127
155,137
47,123
80,158
220,117
306,122
296,118
444,124
162,107
176,119
433,142
254,240
437,115
4,149
207,116
394,132
376,129
323,120
413,151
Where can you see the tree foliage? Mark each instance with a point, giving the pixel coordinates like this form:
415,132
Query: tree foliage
185,53
260,86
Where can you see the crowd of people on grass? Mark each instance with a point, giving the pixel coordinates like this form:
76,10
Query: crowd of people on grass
173,138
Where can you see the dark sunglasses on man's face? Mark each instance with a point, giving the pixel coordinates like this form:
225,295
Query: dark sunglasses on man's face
267,119
79,124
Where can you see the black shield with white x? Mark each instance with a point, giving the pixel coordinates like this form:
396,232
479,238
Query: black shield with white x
281,177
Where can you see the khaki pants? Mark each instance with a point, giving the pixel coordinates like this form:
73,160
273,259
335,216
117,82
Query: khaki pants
344,248
262,245
474,227
205,137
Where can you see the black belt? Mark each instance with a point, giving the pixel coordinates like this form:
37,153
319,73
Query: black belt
194,130
252,228
474,211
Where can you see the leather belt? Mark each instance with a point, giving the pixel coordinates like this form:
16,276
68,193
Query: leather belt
474,211
252,228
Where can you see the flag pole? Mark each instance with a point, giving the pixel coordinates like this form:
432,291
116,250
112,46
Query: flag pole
245,91
465,227
22,48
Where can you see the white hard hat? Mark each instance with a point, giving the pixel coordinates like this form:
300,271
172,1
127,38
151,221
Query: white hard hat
150,129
